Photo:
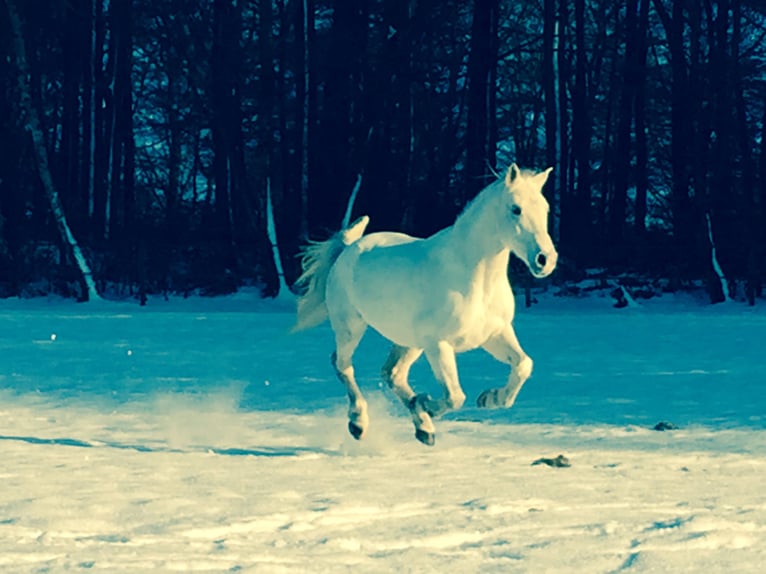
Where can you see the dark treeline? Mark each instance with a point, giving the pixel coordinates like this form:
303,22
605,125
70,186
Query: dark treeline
152,130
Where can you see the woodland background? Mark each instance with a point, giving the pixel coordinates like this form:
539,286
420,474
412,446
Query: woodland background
138,138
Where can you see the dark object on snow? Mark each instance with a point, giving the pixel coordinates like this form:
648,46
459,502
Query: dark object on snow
559,462
618,295
664,425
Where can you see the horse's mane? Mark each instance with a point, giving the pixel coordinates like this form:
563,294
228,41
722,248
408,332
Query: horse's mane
478,203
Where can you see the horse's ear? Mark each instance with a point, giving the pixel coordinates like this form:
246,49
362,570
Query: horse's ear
543,176
512,173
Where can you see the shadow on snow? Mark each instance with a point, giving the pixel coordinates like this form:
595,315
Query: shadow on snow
259,451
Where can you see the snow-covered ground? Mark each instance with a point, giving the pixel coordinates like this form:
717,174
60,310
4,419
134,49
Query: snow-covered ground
198,435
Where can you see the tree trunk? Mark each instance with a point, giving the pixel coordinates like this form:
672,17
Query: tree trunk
481,60
762,170
492,127
121,144
619,197
748,208
762,199
332,161
68,164
642,153
549,92
228,162
32,125
89,109
100,143
305,94
288,166
567,221
581,138
758,265
682,210
719,285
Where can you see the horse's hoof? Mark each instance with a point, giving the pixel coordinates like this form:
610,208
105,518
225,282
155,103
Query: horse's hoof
427,438
487,399
355,430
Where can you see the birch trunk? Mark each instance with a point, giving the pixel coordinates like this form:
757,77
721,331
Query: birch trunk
284,290
32,124
716,264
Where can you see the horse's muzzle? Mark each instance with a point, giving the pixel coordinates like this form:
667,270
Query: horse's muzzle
543,263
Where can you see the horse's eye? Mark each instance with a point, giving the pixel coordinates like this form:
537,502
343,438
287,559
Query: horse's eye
516,210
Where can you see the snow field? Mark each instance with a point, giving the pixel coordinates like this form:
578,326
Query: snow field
219,444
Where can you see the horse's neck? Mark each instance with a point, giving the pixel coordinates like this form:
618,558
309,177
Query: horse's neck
474,240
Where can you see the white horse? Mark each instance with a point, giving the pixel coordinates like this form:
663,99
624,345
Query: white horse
443,295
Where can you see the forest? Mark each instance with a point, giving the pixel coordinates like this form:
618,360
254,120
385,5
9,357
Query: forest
142,141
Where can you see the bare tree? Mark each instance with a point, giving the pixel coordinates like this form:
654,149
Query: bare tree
33,126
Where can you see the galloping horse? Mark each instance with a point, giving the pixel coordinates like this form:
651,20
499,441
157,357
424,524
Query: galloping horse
441,295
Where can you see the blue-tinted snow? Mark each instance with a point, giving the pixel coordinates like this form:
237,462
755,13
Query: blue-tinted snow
687,363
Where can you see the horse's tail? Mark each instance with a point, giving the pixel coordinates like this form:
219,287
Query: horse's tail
317,258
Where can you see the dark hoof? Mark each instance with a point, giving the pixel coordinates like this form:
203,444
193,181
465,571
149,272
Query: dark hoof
427,438
355,430
487,399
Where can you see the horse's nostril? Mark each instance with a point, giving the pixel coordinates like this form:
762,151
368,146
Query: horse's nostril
540,260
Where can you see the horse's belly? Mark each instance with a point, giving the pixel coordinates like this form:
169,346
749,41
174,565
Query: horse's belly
472,335
468,342
395,327
423,329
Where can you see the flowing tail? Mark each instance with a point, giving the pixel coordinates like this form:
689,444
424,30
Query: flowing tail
317,258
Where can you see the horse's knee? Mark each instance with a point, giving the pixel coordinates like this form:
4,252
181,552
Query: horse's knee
389,369
341,364
334,361
524,368
392,375
456,400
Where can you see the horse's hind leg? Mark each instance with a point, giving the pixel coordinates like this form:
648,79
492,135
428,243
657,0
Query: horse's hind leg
348,333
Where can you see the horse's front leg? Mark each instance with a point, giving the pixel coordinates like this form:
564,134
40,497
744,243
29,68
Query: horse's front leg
395,373
442,360
505,347
441,357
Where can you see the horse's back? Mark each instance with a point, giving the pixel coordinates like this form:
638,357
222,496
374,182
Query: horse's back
384,239
382,253
386,256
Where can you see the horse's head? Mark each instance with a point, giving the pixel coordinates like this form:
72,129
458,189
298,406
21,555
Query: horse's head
526,216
